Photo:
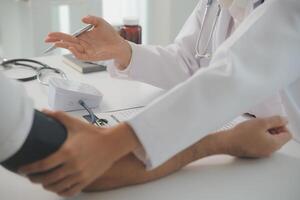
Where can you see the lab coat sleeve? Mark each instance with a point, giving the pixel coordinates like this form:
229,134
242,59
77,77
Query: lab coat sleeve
260,58
16,116
164,67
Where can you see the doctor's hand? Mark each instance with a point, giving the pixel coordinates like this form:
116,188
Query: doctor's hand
257,138
88,152
101,43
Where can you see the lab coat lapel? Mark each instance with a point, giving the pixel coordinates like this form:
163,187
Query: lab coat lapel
222,29
229,20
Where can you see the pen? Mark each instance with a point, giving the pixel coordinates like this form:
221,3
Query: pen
76,34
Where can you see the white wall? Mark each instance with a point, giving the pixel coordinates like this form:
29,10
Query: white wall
30,21
16,30
166,17
25,23
114,11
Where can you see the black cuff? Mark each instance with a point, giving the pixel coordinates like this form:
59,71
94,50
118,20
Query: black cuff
46,137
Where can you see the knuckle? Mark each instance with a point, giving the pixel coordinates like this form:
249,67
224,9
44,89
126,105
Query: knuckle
67,151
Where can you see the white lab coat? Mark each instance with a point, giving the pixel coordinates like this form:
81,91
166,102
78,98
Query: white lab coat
16,117
260,58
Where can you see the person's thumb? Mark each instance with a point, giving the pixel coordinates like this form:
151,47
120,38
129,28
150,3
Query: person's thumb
96,21
62,117
275,122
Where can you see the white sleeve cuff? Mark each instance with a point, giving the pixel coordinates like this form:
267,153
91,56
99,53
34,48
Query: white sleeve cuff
124,74
142,156
152,153
115,72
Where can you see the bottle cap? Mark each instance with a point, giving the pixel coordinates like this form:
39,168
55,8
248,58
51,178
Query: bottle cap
131,21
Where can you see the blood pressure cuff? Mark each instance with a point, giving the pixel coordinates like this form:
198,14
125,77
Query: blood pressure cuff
46,136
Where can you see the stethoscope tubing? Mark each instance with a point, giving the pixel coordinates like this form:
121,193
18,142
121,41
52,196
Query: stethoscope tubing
24,62
205,53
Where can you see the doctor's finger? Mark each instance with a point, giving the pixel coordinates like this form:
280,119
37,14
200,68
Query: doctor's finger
52,40
73,191
65,119
54,161
63,37
54,176
63,184
78,55
275,122
67,45
96,21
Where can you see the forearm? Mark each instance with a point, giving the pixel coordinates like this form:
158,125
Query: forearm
130,171
163,67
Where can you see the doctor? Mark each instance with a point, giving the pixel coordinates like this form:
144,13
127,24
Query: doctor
230,56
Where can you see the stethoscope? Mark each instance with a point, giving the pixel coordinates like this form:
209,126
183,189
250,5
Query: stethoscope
29,63
205,54
39,73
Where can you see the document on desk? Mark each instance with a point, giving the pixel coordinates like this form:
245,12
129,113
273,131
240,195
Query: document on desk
112,118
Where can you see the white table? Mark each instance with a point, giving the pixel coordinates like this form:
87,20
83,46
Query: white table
219,177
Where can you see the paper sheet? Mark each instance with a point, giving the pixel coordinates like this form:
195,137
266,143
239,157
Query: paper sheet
115,117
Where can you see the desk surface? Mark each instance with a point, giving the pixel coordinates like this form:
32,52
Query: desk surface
219,177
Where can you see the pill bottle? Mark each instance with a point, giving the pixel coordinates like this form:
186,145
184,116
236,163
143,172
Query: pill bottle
131,30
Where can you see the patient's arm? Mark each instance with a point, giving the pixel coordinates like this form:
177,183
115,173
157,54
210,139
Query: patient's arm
250,139
130,171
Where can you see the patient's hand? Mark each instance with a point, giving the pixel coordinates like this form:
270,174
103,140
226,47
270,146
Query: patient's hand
257,138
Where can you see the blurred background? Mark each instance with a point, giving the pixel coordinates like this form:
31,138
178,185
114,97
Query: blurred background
25,23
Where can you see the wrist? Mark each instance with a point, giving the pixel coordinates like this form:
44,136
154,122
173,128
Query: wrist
232,144
227,143
123,56
222,142
214,144
122,137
